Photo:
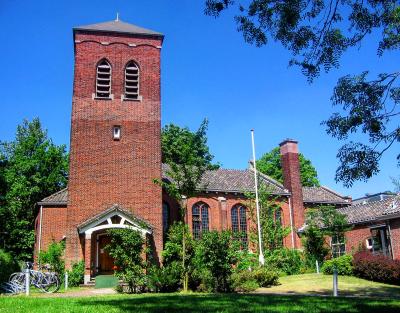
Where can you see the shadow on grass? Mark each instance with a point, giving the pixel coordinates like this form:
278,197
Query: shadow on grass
235,303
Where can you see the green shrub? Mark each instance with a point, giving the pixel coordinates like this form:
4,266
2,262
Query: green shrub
54,257
126,248
343,265
76,274
244,281
7,266
287,261
164,279
215,257
247,260
265,277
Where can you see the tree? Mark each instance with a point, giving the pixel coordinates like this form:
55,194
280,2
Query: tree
270,164
216,256
317,33
322,222
31,168
187,156
126,248
272,230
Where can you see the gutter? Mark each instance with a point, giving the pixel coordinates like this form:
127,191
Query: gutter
40,233
291,222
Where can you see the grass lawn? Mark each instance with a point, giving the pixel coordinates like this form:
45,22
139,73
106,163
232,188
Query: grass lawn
180,303
322,284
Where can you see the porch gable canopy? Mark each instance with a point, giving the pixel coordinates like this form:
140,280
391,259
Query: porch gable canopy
114,217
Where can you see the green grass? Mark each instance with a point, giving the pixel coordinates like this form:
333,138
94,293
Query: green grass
322,284
184,303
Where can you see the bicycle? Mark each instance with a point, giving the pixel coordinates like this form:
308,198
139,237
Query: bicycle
48,281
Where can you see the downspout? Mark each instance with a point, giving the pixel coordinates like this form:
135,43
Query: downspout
40,232
390,239
291,221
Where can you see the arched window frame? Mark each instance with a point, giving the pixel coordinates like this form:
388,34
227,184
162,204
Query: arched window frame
200,219
239,224
101,81
132,81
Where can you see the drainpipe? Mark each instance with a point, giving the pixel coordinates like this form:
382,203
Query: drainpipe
291,221
40,232
390,239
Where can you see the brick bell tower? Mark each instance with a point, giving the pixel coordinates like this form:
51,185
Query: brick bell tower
115,139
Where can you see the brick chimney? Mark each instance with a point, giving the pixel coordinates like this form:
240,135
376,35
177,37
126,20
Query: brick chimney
292,182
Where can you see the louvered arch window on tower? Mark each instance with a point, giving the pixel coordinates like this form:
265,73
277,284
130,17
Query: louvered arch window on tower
131,81
103,80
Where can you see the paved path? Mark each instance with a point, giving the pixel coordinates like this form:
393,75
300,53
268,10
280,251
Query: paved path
84,292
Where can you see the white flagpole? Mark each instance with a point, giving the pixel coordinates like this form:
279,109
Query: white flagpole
261,255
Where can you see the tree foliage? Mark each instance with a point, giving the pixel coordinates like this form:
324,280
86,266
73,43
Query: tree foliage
187,157
272,230
126,249
322,222
317,33
31,168
270,164
216,255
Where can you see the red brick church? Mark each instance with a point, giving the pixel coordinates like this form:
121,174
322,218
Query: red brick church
116,154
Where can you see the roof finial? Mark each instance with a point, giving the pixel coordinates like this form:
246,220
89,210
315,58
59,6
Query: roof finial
117,19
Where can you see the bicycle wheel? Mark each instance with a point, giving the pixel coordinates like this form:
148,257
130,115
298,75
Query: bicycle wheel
53,284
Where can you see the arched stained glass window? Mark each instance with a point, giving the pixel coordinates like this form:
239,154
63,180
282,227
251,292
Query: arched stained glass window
239,224
200,219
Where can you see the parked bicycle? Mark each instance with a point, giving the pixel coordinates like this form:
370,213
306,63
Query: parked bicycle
46,281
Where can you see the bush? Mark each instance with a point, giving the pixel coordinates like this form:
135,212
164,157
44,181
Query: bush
7,266
164,279
265,277
244,281
343,264
247,260
54,257
287,261
376,268
126,248
215,257
76,274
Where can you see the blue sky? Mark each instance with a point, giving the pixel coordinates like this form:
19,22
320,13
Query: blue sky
207,71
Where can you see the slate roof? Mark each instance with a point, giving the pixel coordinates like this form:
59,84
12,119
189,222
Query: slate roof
234,181
58,198
372,211
323,195
118,26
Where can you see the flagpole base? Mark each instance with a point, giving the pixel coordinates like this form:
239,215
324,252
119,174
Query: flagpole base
261,259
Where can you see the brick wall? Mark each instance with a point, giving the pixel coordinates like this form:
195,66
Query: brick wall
103,171
395,237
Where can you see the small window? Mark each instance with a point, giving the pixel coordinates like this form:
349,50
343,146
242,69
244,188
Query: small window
165,217
338,246
103,80
117,132
132,81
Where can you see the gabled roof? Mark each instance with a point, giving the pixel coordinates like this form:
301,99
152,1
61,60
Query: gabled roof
118,26
233,181
323,195
58,198
115,208
372,211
